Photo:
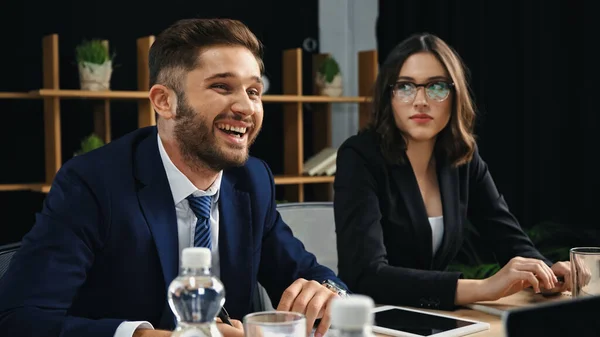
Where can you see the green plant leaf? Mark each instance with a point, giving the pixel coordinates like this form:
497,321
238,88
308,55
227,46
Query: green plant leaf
487,270
553,241
92,51
90,143
556,253
329,68
475,272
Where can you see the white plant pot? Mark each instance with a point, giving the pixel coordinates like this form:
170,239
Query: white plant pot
333,88
95,77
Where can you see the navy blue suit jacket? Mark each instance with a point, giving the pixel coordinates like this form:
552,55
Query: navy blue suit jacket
104,247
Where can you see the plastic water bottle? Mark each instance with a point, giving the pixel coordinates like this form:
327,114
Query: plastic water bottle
352,316
196,296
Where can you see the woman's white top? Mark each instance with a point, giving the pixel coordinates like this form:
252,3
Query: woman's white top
437,231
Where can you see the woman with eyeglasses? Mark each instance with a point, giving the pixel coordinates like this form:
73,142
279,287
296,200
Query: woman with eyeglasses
406,185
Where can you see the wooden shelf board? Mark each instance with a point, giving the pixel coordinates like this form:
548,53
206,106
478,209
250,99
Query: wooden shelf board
312,99
25,187
107,94
279,180
136,95
292,180
17,95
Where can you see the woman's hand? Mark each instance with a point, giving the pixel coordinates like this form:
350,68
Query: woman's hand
519,273
562,270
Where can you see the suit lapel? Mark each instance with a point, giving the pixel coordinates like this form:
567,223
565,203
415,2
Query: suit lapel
236,246
407,184
448,180
156,202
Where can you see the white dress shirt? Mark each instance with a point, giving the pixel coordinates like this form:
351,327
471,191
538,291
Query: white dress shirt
181,188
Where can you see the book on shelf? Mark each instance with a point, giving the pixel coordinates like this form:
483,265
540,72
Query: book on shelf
329,170
322,163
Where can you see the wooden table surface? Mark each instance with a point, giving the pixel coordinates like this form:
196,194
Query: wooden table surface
520,299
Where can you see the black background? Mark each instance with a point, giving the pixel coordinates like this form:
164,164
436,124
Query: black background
531,73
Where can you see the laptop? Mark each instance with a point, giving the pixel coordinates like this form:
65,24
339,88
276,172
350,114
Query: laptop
572,317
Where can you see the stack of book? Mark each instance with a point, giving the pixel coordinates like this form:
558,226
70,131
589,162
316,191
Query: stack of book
322,163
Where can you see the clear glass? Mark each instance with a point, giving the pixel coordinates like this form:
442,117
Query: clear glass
585,271
196,297
275,323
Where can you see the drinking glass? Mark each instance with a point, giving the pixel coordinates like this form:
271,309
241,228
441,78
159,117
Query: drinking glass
585,271
275,323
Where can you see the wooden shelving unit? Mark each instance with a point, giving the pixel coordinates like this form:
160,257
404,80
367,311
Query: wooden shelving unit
17,95
292,179
25,187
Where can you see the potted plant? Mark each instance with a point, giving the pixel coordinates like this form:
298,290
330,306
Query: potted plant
329,78
94,64
89,143
552,240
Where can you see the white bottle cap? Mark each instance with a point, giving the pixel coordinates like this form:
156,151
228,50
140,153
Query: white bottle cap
352,312
196,257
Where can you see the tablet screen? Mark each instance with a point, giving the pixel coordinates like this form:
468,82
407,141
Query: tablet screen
416,323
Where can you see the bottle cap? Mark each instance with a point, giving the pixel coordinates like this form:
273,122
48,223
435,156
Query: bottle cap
352,312
196,257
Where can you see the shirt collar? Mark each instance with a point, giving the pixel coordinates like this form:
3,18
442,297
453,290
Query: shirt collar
181,186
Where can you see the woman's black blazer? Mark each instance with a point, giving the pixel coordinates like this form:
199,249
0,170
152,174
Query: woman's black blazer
384,238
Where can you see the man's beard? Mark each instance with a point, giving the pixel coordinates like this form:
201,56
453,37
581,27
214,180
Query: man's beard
198,143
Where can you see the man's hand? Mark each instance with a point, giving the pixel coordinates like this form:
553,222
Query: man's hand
311,299
237,330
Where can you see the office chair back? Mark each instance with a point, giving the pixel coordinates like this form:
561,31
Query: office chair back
6,254
313,224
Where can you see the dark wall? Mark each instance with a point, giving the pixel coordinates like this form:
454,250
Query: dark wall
532,76
280,25
531,71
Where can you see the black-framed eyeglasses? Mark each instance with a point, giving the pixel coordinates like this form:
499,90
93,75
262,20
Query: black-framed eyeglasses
437,90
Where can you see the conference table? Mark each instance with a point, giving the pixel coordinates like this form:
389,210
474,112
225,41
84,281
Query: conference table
490,312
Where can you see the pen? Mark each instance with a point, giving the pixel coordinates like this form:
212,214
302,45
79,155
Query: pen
224,316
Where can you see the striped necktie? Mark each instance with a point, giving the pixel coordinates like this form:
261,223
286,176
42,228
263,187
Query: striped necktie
201,208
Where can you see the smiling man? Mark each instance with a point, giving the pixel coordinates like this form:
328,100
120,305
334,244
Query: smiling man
107,242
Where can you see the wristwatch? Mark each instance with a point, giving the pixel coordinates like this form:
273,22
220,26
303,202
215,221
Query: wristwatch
329,284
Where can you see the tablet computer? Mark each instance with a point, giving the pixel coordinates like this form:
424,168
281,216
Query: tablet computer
401,321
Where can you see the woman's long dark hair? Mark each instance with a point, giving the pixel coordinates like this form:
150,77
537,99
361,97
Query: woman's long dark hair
456,142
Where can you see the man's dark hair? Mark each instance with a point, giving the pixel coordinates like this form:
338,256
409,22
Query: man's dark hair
175,51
